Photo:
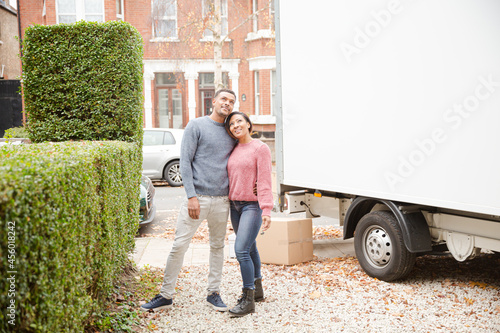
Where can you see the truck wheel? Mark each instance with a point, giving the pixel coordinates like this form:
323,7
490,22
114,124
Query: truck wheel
172,174
380,247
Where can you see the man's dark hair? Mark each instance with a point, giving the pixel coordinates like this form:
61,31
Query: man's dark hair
225,90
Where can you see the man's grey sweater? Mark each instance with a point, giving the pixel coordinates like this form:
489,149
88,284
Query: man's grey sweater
205,149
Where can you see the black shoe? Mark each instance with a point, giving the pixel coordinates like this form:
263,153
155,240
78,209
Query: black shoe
157,303
259,292
246,304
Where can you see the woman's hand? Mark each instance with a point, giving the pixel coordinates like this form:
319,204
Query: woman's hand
266,222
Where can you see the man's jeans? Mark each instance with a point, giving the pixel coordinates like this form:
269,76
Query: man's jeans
215,210
246,218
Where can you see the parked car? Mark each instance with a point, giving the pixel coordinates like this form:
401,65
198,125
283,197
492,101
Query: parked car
147,208
161,154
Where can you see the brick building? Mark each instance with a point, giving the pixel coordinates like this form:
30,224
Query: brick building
10,68
178,52
10,64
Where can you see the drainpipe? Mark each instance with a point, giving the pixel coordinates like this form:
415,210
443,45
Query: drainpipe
19,32
21,55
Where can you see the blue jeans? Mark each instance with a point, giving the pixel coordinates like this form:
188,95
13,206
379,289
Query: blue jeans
246,218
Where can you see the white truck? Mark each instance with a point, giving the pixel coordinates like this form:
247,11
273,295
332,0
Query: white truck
388,117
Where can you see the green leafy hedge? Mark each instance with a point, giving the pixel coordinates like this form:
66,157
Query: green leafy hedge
83,81
15,132
70,213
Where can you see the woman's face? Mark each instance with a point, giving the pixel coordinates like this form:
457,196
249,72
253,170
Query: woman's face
239,127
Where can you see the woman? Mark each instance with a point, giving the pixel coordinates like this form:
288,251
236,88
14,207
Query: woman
249,163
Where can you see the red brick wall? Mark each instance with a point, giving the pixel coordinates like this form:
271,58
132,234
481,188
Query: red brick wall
138,13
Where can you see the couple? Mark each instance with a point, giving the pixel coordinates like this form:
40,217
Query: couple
220,158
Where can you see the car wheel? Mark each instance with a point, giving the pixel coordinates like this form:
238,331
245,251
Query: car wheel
380,247
172,174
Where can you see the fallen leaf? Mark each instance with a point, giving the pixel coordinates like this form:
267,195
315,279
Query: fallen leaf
469,301
481,285
314,295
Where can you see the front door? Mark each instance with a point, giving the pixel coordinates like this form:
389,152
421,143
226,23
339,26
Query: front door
163,109
206,105
169,108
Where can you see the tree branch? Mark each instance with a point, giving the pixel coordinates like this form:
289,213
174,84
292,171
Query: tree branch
246,20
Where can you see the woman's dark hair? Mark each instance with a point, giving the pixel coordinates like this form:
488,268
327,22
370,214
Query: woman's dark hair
228,119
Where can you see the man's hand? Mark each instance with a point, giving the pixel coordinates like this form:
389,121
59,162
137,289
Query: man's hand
194,208
266,222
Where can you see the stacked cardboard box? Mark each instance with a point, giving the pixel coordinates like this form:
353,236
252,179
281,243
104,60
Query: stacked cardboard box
287,242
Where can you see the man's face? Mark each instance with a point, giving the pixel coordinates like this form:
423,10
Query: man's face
223,104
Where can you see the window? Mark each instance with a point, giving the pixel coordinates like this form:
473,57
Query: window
207,80
208,10
70,11
158,138
257,93
119,10
165,19
152,138
166,78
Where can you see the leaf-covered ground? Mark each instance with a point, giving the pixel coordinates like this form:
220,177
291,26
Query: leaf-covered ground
201,235
334,294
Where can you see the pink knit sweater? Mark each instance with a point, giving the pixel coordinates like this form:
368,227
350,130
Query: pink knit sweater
250,163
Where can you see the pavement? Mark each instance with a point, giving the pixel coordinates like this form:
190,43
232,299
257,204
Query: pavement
153,251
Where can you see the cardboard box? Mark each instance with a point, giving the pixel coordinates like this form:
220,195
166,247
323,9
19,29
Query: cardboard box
287,242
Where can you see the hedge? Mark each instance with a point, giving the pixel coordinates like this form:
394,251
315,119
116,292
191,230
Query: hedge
71,213
15,132
83,81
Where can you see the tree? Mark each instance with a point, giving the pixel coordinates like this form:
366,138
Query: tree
208,17
219,39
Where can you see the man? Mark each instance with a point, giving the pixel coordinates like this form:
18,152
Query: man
205,149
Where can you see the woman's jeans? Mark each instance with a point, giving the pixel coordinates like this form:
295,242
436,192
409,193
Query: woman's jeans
246,218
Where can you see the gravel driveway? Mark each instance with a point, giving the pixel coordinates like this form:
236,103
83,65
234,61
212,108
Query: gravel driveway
335,295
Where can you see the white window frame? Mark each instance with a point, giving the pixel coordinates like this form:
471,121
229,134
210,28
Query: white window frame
256,77
121,16
224,18
262,33
261,64
273,93
166,18
80,11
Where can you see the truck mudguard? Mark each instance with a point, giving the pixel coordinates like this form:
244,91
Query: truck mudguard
413,225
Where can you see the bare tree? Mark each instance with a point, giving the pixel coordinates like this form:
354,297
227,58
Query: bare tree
219,39
210,20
